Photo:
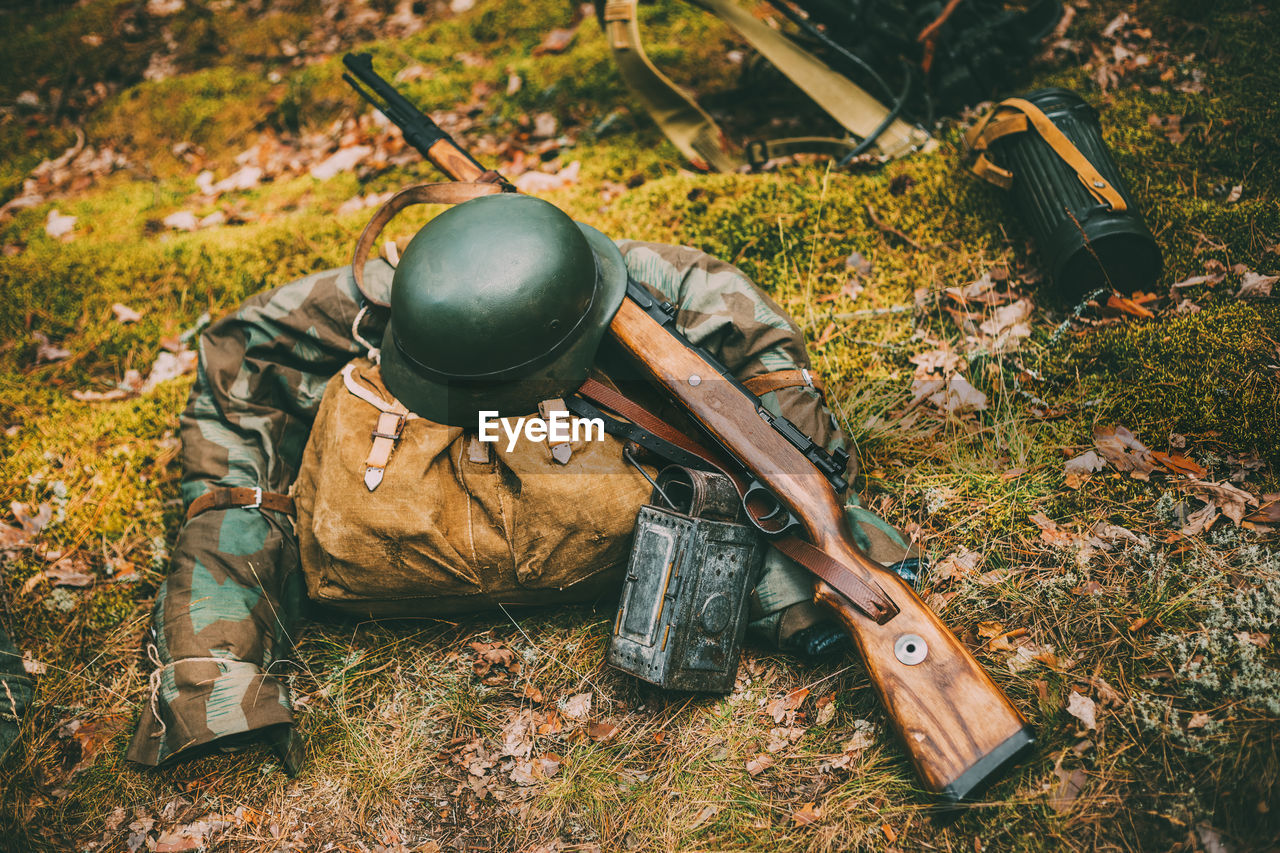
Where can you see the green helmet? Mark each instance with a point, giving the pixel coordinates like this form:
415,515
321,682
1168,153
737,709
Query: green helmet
498,304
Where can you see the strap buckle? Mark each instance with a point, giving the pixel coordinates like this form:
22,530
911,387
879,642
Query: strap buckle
257,498
757,154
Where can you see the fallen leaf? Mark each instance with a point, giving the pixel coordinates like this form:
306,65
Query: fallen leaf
1051,533
1200,520
169,366
183,220
1231,500
1079,469
1124,451
1008,325
958,565
536,182
46,351
759,764
602,731
1069,786
1255,286
342,160
32,524
707,813
1083,709
58,225
125,314
953,395
533,694
1199,720
806,815
517,736
576,707
1179,464
557,40
1268,512
1128,306
943,362
786,706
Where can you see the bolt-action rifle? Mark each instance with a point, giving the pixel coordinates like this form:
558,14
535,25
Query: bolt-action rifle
959,729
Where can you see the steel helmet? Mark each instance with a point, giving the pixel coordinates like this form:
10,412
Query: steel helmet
498,304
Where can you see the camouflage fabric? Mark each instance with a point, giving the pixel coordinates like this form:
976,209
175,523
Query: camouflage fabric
224,617
15,692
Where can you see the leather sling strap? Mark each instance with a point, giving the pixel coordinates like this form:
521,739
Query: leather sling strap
696,134
1016,115
454,192
242,497
868,598
778,379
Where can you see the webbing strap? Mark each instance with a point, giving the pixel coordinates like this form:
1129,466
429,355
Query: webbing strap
701,140
1016,115
866,597
686,124
842,99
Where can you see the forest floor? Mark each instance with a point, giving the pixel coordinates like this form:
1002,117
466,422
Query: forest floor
1093,484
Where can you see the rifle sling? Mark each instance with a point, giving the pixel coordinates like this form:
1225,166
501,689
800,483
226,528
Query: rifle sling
866,597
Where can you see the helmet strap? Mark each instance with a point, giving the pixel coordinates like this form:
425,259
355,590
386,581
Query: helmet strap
441,193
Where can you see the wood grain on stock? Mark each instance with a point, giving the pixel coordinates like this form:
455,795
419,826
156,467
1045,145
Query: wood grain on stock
956,724
446,156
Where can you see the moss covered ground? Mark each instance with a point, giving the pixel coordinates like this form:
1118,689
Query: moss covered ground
1170,636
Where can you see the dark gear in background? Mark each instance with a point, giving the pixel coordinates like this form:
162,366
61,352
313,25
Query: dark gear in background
226,616
881,69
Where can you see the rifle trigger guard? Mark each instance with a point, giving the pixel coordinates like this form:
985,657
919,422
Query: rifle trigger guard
773,508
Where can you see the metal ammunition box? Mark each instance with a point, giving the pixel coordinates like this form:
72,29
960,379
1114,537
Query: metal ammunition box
683,611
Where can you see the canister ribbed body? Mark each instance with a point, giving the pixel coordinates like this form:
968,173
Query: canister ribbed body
1084,245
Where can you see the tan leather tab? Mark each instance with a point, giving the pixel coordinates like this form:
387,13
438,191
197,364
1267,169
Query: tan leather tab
778,379
561,451
477,451
617,19
385,436
240,497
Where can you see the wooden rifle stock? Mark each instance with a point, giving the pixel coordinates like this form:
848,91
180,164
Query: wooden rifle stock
958,727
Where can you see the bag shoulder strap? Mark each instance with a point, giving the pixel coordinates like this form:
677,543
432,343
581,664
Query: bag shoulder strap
1017,115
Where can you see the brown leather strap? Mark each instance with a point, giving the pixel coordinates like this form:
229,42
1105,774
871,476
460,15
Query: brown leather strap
868,598
778,379
1005,119
245,498
442,193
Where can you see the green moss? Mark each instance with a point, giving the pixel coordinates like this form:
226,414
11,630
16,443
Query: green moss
1209,375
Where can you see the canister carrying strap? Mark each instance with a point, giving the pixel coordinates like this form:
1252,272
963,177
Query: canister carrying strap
1017,115
865,596
700,139
241,497
454,192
